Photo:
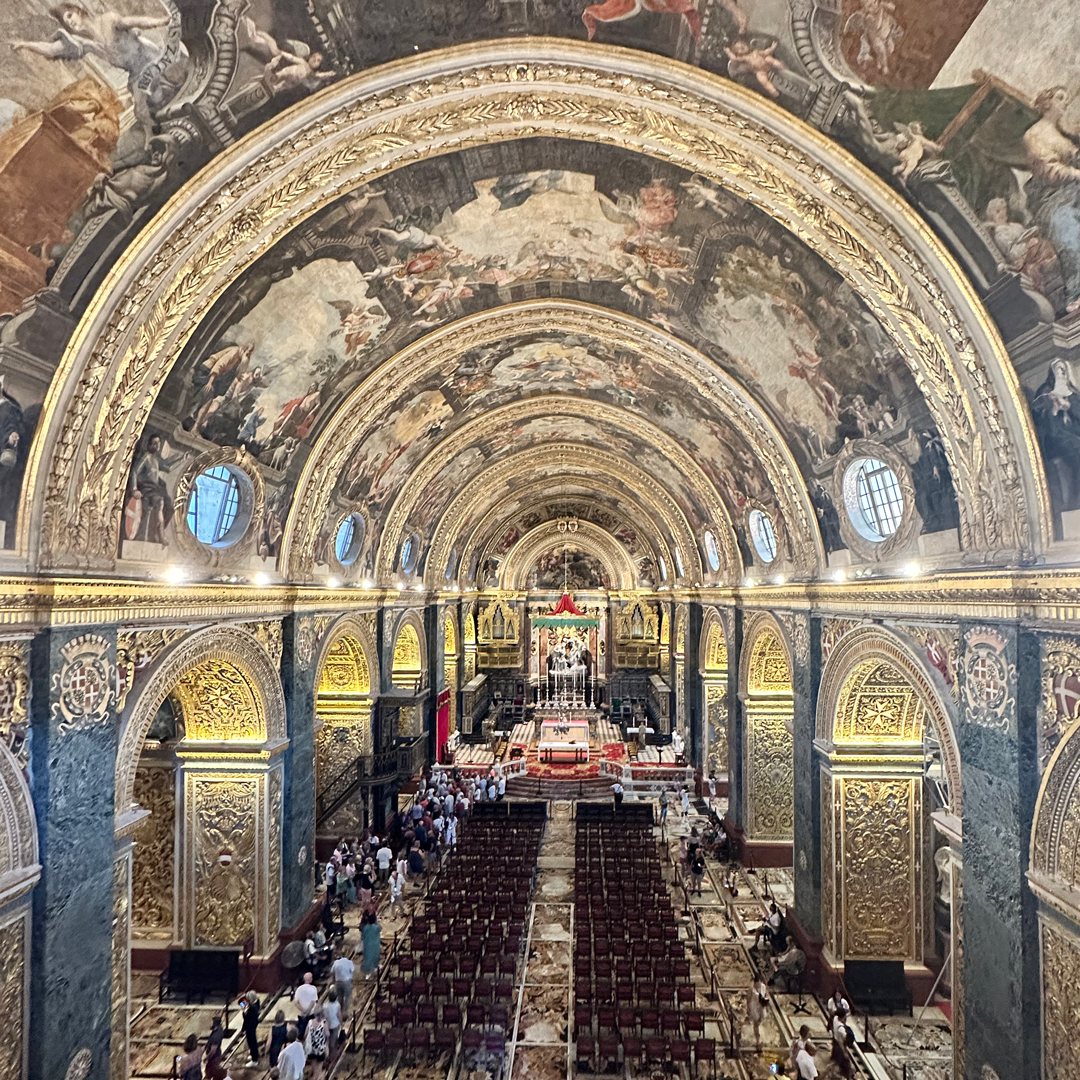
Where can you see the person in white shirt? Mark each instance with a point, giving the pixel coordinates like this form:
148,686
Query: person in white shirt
451,831
332,1011
292,1059
712,790
342,974
305,999
837,1004
804,1062
502,785
384,857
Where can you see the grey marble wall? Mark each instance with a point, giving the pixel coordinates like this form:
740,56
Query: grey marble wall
1001,952
298,826
806,675
72,768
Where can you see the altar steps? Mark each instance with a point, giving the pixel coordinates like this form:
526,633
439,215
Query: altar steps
540,787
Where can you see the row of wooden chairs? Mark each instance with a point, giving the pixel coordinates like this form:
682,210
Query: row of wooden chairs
607,1053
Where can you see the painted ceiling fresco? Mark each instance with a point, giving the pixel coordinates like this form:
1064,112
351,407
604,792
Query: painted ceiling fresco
966,108
374,271
563,567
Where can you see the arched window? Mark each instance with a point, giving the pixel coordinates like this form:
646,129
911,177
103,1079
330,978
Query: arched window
763,535
349,539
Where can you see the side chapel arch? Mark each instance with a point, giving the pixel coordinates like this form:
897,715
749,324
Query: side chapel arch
408,669
348,674
877,706
765,687
713,669
1054,876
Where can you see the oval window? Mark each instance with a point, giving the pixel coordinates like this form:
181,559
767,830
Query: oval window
763,535
451,564
410,553
679,571
711,552
219,506
350,537
663,568
873,499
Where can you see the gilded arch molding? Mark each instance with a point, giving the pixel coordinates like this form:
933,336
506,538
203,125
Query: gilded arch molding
707,658
1055,852
224,644
867,643
221,221
756,625
19,868
646,514
352,626
562,459
443,347
415,620
589,537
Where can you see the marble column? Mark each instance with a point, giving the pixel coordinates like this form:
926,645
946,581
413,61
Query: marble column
694,687
298,832
737,721
806,676
72,770
999,688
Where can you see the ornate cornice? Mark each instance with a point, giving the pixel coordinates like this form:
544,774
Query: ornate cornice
220,222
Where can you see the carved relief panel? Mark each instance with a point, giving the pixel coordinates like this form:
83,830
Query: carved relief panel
770,772
121,966
13,997
274,811
1060,1000
1059,703
498,634
15,698
637,635
154,857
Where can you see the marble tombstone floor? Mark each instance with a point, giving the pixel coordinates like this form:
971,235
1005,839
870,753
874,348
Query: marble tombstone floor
537,1046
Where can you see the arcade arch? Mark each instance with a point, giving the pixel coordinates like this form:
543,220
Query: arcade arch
713,668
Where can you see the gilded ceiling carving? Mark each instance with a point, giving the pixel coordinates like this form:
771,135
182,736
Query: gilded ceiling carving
408,665
152,892
88,453
1060,955
220,704
15,698
878,704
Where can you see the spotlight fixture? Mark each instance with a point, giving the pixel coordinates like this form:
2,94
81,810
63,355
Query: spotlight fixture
749,583
333,583
911,569
839,575
175,575
779,579
261,579
368,583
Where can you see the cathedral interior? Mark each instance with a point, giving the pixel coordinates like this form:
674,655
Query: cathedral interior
641,392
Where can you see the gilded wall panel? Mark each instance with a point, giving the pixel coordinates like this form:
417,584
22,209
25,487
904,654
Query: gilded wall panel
121,966
274,854
716,712
223,815
828,863
340,741
878,704
1059,703
12,998
154,856
1060,1002
770,772
881,832
14,698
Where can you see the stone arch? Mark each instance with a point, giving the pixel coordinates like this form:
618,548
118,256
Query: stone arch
591,538
713,671
767,695
867,647
877,700
449,635
409,664
1055,835
237,654
19,868
363,653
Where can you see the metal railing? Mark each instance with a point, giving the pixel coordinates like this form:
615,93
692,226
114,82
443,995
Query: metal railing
371,769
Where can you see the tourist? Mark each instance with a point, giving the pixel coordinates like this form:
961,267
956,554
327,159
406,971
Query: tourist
697,871
804,1063
189,1063
665,799
292,1060
371,934
214,1061
311,952
798,1044
275,1042
397,884
251,1007
712,791
492,788
757,1004
451,832
617,791
837,1004
789,964
416,861
383,858
317,1043
332,1012
369,915
305,998
342,973
685,797
367,885
842,1038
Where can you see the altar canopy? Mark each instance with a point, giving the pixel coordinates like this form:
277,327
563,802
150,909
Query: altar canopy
565,614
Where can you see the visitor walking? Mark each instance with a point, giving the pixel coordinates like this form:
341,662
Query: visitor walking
342,973
383,858
251,1008
712,791
305,998
372,938
757,1004
214,1062
317,1044
332,1011
617,791
292,1060
189,1063
685,796
665,799
279,1036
